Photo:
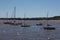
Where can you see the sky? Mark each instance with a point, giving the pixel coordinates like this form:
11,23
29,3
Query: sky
31,8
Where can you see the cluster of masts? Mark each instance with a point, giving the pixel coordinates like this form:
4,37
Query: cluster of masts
25,25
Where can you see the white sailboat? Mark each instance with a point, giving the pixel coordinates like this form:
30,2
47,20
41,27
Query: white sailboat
24,22
48,26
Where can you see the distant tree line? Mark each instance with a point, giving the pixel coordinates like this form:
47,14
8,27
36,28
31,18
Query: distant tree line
40,18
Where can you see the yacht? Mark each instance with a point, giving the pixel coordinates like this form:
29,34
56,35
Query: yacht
14,20
48,26
39,24
24,23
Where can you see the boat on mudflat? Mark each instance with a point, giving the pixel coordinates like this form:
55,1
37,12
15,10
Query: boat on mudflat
48,26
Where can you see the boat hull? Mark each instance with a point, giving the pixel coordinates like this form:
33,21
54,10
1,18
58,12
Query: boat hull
25,25
49,28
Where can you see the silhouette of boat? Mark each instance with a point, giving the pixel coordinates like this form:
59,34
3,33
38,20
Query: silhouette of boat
14,22
7,22
39,24
24,23
48,26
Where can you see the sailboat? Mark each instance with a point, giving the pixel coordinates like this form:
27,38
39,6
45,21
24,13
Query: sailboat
24,23
49,27
39,24
14,20
7,22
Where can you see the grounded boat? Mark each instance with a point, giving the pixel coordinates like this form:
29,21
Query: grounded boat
11,23
39,24
48,26
24,23
14,22
7,22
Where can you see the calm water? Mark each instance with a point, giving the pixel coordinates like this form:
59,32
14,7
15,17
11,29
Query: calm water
28,33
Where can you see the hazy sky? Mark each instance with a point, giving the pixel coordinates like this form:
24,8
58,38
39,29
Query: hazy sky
32,8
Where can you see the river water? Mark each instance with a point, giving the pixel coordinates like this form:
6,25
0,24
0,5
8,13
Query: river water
28,33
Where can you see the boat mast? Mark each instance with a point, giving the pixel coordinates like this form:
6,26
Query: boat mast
47,19
24,18
14,13
7,16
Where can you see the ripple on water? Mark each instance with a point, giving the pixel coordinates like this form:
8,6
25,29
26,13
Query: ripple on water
29,33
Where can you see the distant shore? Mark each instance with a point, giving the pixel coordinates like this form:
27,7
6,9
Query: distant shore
35,18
